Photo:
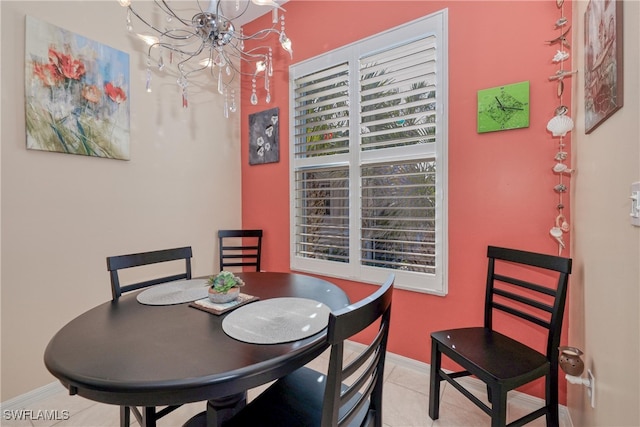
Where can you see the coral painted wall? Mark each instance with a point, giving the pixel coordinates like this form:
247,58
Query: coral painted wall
500,183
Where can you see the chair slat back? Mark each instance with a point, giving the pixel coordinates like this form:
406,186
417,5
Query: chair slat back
364,393
243,250
120,262
515,293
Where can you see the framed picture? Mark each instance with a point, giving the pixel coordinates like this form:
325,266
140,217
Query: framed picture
603,61
264,137
77,93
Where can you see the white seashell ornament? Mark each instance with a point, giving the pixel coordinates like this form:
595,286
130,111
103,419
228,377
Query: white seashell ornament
561,155
560,56
561,222
560,188
562,168
556,233
560,125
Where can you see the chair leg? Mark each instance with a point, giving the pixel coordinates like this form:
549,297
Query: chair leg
434,380
125,416
149,416
551,385
375,406
498,407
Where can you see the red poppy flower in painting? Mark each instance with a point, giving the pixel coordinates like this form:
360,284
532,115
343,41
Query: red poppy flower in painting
48,73
115,93
91,93
69,67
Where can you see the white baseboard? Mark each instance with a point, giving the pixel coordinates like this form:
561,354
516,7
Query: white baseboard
522,399
31,398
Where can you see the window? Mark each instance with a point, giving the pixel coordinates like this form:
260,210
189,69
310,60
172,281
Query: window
368,169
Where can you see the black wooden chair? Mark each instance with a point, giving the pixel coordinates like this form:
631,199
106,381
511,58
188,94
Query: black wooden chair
240,248
503,363
120,262
348,395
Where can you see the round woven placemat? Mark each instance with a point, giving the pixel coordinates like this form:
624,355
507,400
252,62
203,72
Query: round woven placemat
177,292
276,320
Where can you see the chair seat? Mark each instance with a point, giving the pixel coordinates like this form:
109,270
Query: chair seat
294,400
492,356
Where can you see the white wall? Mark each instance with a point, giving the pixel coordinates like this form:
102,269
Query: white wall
63,214
605,285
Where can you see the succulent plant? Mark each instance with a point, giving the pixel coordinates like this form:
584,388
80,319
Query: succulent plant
224,281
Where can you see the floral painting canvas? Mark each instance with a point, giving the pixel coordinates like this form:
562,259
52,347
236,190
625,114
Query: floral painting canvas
76,93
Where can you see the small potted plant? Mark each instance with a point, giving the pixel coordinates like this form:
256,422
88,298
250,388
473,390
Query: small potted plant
224,287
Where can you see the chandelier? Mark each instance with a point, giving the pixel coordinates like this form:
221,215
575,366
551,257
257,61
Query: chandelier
209,40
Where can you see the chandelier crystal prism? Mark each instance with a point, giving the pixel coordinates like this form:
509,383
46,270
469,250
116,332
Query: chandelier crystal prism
211,41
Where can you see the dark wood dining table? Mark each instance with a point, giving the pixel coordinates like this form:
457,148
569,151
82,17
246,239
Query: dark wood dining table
129,354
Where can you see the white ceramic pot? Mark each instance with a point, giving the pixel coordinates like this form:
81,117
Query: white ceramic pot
222,297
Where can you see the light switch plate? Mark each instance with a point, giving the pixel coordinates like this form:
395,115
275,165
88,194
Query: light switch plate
635,204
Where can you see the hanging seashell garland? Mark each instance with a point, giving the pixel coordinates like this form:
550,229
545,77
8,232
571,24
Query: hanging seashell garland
560,124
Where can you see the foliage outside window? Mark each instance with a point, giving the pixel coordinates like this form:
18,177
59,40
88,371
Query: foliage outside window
368,170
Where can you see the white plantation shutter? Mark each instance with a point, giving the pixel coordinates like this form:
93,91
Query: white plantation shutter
398,216
322,113
322,212
397,90
368,170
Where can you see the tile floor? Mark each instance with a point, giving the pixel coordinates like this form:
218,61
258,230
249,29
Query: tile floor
405,404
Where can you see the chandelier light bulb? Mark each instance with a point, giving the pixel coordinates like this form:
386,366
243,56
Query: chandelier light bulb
125,3
148,39
207,62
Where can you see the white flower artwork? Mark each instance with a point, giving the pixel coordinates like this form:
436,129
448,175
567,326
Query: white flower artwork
264,144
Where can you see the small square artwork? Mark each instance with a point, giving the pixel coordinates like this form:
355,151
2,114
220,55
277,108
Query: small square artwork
77,93
264,137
